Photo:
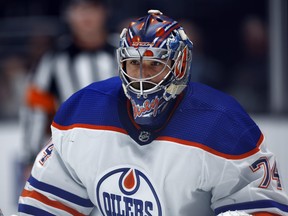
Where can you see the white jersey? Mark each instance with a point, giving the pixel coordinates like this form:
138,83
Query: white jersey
209,158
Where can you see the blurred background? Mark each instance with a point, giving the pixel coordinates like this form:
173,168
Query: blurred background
240,47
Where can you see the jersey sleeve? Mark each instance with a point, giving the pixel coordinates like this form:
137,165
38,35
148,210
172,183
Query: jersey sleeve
53,188
251,184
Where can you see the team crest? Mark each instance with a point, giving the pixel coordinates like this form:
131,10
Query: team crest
127,191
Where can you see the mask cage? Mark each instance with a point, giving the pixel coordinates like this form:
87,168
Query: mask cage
142,83
179,50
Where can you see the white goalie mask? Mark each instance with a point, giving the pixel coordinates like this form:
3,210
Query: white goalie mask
154,60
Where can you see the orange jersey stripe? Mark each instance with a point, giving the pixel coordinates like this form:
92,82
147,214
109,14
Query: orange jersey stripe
166,138
213,151
47,201
264,214
88,126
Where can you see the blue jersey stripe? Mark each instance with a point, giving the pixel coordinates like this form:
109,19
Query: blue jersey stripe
252,205
60,193
32,210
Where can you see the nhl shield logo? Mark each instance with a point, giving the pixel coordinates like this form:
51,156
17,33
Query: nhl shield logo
144,136
127,191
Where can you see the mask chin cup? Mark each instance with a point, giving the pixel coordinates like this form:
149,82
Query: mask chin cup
148,111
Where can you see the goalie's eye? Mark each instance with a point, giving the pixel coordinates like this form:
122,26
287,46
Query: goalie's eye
134,62
151,63
156,63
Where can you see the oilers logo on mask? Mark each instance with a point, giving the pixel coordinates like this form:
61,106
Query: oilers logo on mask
148,107
127,191
146,112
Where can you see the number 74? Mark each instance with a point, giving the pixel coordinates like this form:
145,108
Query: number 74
269,174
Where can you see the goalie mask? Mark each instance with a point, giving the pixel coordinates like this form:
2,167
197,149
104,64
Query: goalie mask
154,59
